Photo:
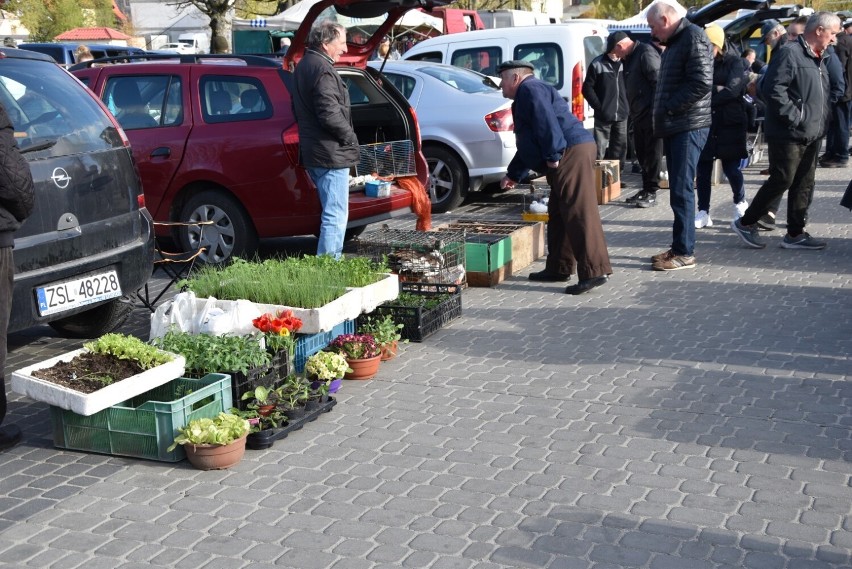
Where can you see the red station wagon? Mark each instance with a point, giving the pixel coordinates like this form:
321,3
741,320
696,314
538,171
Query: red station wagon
215,139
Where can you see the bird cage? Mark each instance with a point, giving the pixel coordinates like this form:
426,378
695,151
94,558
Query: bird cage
417,256
387,159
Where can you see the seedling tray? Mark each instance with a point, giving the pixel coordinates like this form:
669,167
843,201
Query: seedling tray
266,438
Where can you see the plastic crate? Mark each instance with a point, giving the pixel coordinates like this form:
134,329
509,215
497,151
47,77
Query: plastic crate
146,425
418,323
270,376
309,344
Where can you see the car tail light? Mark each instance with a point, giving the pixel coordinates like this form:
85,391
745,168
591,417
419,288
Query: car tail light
290,140
500,121
577,92
140,200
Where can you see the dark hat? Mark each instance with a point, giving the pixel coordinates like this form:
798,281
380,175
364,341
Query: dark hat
847,24
514,64
767,27
613,39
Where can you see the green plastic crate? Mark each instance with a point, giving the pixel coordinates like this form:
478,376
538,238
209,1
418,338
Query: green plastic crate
145,426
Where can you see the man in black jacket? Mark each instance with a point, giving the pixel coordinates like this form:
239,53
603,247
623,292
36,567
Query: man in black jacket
795,89
837,138
682,120
328,146
604,89
16,203
641,70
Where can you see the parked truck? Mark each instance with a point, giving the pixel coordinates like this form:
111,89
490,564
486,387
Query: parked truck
197,41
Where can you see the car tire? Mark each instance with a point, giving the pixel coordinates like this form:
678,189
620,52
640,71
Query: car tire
95,322
232,234
448,183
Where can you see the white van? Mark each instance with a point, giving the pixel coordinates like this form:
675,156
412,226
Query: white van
561,53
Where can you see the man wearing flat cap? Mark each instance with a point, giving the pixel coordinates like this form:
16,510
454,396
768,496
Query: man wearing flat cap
604,90
551,140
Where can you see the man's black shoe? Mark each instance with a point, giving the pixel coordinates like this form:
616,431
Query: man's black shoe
9,437
632,199
766,222
586,285
832,163
647,200
548,277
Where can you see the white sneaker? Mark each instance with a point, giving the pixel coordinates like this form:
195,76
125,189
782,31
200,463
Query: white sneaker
703,220
740,209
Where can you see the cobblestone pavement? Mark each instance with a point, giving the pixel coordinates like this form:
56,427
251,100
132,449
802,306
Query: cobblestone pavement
696,419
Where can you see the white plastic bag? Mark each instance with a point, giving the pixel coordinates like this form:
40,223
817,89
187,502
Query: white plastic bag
176,314
235,318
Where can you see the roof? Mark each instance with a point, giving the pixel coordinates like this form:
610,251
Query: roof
90,34
116,11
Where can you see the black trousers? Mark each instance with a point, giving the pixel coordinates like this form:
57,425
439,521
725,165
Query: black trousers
649,150
7,275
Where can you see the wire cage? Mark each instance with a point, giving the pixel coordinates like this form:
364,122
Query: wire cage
417,256
386,159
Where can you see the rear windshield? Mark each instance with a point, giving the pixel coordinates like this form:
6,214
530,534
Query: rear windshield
53,114
461,79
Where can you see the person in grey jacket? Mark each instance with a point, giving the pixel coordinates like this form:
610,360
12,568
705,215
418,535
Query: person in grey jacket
682,119
796,89
17,199
328,146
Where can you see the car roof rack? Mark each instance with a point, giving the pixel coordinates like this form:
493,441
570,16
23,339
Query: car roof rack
212,58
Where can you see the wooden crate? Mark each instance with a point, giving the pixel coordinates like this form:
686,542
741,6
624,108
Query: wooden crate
607,180
528,237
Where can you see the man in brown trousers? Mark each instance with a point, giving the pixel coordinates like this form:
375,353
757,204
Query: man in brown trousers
550,139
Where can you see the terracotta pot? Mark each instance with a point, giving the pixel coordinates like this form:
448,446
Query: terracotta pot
363,369
390,350
265,410
216,457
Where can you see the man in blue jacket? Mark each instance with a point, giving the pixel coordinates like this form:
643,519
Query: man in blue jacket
550,139
795,88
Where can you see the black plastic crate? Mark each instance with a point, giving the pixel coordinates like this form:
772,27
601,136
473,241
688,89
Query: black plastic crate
270,376
418,323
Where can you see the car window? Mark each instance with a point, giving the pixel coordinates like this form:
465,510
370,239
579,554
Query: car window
461,79
141,101
52,114
432,57
403,83
593,46
546,59
230,98
482,59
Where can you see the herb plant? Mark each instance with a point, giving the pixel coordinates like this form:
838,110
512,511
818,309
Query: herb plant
205,353
129,348
382,328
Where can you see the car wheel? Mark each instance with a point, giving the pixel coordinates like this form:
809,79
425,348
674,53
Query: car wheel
95,322
447,179
231,235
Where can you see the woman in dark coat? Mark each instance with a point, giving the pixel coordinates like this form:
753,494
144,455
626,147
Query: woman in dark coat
727,138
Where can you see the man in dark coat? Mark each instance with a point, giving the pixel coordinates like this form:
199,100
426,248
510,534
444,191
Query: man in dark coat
550,139
837,138
682,120
641,70
727,138
795,89
604,90
328,146
17,198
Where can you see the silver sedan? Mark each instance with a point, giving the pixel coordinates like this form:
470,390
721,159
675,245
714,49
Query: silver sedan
465,124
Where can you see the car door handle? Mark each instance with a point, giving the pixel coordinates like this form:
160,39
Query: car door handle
161,151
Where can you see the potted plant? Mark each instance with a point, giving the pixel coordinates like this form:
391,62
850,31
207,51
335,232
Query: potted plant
326,370
263,400
293,395
214,444
279,332
386,332
362,353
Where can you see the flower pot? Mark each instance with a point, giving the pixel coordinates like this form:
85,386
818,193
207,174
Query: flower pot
363,369
216,457
390,350
294,413
265,410
333,385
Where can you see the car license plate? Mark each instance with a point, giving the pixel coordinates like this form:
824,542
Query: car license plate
59,297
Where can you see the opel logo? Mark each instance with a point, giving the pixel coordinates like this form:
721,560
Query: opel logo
61,178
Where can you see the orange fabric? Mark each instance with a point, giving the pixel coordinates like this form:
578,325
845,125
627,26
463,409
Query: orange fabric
420,203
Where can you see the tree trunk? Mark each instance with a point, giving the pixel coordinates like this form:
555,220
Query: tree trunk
220,26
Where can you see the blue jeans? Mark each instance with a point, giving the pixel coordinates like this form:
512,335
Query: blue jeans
704,175
333,189
682,152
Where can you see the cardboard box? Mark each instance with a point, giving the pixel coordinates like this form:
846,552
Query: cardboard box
488,258
528,238
607,180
